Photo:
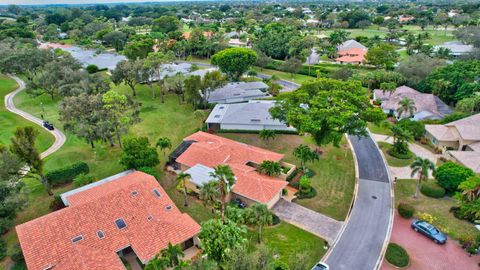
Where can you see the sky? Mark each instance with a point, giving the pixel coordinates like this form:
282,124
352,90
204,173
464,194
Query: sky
49,2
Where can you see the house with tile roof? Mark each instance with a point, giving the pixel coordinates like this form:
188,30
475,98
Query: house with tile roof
126,214
253,115
459,140
427,106
351,52
202,151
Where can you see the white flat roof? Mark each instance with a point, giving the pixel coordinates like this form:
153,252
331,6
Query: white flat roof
200,174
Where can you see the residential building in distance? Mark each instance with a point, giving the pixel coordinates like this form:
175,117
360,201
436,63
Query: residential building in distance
459,140
457,48
236,92
351,52
125,215
253,115
427,106
201,152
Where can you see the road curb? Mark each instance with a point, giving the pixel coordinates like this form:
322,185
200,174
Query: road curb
392,214
354,197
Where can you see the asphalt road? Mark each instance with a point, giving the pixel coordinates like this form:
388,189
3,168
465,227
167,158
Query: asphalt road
360,246
10,105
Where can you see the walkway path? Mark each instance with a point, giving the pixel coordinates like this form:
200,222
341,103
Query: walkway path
309,220
10,105
361,245
425,254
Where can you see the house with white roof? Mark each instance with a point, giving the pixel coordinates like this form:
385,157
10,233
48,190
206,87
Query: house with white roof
459,140
427,106
457,48
236,92
254,115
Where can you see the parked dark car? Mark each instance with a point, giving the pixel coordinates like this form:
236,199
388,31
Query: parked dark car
429,231
239,203
321,266
48,125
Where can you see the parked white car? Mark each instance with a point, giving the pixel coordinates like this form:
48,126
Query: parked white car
321,266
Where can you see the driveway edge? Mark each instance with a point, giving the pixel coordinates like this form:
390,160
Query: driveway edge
392,213
354,197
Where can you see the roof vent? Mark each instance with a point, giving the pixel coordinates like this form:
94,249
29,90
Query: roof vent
217,116
120,223
134,193
77,238
169,207
222,107
149,218
255,120
100,234
156,193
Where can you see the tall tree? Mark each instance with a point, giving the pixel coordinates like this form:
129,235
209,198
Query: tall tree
156,62
225,178
166,24
23,146
417,67
382,55
128,72
292,65
327,109
192,86
258,215
406,105
173,254
234,61
164,143
211,81
183,178
337,37
138,153
421,167
209,194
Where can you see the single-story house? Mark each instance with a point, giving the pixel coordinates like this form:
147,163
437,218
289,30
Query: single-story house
459,140
235,42
351,52
204,151
428,106
253,115
238,92
457,48
125,214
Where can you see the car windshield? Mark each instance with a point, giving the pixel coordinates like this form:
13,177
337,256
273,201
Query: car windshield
319,267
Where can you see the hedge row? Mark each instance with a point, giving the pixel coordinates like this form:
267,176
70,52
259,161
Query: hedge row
325,69
67,174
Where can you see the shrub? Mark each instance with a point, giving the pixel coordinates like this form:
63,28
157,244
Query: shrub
16,254
19,266
307,195
149,170
57,203
309,173
275,219
92,69
3,249
305,184
83,179
426,217
432,189
449,175
279,265
417,128
397,255
395,154
67,174
405,210
5,224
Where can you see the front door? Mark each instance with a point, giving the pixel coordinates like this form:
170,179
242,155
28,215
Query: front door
187,244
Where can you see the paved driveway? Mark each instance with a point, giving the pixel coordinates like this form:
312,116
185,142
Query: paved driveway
360,245
309,220
425,254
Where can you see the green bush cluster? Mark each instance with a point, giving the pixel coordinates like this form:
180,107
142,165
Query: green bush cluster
395,154
449,175
432,189
324,70
279,265
67,174
83,179
417,128
405,210
397,255
150,170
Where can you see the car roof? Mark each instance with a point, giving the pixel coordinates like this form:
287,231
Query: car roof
319,266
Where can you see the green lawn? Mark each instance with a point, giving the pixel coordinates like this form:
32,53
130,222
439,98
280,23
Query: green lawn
287,240
10,121
378,129
439,208
298,78
393,161
334,177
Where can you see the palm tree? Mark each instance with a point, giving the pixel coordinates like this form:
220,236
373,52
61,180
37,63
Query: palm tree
267,134
406,105
182,177
157,263
164,143
173,253
305,154
209,194
470,189
421,166
258,215
270,168
226,179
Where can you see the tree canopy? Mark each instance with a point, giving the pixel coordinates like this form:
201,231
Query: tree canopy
235,61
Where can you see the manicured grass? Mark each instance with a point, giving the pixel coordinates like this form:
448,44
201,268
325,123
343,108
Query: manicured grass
393,161
334,177
10,121
439,208
297,78
378,129
287,240
397,255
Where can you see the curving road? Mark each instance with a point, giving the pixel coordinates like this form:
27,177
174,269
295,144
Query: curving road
10,105
361,245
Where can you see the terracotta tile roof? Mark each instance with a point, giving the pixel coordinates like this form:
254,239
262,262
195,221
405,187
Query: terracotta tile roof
211,150
97,209
354,55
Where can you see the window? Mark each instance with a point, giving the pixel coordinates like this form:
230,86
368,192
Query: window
100,234
120,223
156,192
77,238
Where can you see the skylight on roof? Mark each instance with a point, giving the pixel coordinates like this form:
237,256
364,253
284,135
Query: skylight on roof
168,207
156,192
100,234
134,193
149,218
217,116
120,223
77,238
222,107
